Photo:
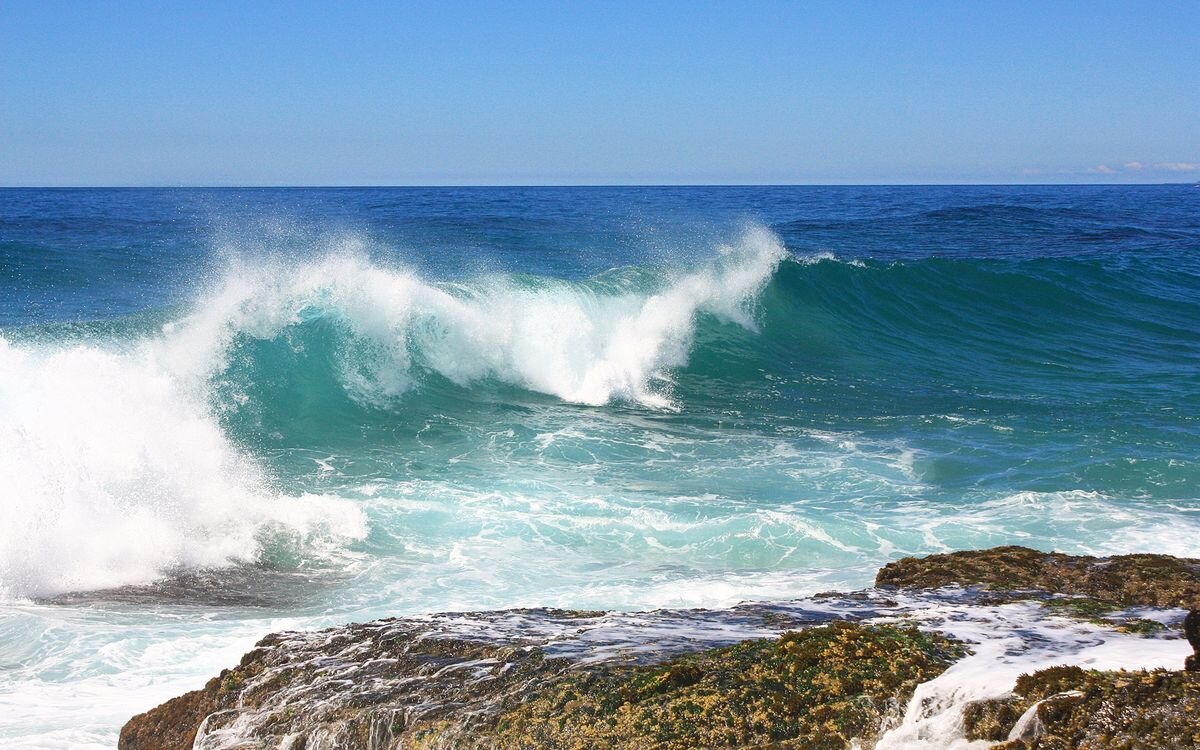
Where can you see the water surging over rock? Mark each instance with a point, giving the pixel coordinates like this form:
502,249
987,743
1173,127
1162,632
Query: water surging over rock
900,666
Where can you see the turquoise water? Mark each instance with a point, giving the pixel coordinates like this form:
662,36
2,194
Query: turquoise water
228,411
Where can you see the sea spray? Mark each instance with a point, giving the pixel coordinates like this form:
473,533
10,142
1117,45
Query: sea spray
114,474
584,342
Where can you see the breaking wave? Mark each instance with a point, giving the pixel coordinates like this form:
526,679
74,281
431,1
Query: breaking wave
118,467
135,447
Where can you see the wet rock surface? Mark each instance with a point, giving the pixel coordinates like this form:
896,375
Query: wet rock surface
384,686
1120,580
458,680
1069,707
1191,630
824,687
822,672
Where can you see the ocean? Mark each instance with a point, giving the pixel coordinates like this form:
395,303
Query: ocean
229,411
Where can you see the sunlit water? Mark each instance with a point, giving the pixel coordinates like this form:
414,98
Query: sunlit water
345,404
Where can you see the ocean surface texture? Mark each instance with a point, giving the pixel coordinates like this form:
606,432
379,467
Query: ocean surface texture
224,412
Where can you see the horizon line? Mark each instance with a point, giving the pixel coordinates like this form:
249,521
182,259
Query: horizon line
485,186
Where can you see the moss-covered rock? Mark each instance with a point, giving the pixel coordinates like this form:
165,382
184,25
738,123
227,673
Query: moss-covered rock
815,689
486,681
1077,709
173,725
1119,581
991,720
818,688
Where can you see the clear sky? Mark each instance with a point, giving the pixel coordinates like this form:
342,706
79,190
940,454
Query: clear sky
215,93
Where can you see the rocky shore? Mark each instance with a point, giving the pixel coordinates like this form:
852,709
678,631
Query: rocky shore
1008,647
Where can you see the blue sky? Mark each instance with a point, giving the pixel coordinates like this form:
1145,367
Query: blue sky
165,93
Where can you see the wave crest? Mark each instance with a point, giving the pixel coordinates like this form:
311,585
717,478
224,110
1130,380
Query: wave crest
610,338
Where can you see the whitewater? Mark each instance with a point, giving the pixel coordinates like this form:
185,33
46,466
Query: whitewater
146,481
225,413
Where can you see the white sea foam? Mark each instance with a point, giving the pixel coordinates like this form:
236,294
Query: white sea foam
85,676
1007,641
1078,521
113,472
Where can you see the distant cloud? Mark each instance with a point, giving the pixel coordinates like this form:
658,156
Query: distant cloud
1179,166
1126,168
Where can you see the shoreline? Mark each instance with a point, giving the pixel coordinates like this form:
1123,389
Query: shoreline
952,650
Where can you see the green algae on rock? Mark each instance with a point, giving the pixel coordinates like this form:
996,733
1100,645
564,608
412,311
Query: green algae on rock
818,688
1068,708
1119,580
711,679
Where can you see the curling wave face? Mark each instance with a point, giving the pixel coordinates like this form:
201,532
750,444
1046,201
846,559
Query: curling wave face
613,338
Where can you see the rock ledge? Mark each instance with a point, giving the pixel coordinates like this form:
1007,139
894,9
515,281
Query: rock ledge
821,673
